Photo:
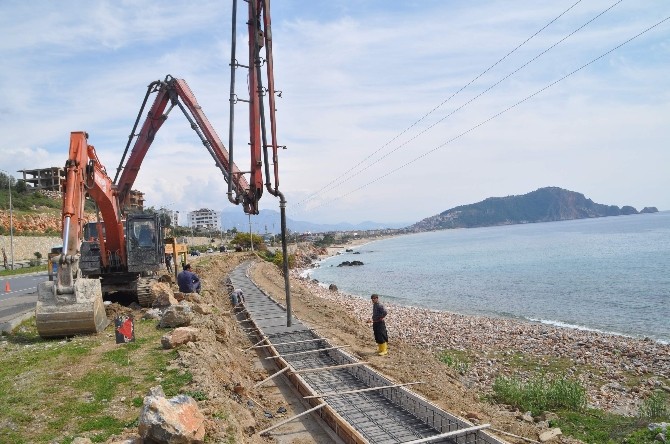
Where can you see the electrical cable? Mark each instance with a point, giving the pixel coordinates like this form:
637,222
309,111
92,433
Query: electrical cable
448,99
495,115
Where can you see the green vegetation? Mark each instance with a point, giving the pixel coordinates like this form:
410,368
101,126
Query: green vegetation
23,270
456,359
657,406
540,393
244,240
598,427
567,398
46,399
277,258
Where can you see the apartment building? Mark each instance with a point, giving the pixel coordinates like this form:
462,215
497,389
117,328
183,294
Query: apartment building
205,218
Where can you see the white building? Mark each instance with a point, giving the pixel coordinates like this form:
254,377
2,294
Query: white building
205,218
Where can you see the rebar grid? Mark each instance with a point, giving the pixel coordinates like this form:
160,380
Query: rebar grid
390,415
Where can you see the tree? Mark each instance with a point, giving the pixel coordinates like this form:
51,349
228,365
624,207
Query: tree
244,240
21,186
279,260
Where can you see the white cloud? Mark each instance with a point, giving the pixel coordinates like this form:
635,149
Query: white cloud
354,76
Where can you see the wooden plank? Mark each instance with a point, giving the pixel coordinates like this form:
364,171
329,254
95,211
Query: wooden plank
272,376
348,392
449,434
290,343
308,351
332,367
323,404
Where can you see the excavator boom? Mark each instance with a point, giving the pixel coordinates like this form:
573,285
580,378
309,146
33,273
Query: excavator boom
73,304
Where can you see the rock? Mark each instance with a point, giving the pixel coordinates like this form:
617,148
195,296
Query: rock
528,417
348,264
176,316
332,287
547,416
179,336
163,295
152,313
177,420
136,440
240,389
82,441
203,309
474,415
550,434
192,297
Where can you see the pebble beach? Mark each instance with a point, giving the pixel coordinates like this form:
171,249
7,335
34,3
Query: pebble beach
618,372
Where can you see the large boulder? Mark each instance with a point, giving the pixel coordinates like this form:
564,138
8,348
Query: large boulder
179,336
176,316
173,421
163,295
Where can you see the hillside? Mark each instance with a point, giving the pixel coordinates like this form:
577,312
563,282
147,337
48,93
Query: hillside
543,205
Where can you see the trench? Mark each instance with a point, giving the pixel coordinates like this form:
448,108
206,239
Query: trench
359,404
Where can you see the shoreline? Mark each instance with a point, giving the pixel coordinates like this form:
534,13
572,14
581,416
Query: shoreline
617,371
334,251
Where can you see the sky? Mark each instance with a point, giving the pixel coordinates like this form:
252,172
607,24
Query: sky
390,111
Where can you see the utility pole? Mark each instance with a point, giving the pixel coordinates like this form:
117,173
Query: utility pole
11,217
251,236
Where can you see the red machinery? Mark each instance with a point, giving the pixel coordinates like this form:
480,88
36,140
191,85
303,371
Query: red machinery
126,249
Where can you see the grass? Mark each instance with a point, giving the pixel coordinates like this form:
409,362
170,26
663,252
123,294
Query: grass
456,359
597,427
24,270
657,406
567,398
540,393
56,390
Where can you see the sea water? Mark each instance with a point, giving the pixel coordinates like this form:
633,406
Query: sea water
609,274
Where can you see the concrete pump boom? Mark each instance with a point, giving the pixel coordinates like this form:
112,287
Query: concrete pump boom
177,93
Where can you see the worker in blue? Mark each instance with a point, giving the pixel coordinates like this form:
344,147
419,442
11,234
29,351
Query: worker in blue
188,281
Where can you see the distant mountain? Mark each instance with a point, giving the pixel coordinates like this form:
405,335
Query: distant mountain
543,205
269,221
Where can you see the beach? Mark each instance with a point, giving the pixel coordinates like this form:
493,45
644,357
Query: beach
618,372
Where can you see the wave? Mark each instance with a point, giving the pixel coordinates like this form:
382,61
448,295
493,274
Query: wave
584,328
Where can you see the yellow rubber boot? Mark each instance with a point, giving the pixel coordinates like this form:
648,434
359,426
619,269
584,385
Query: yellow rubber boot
383,349
379,349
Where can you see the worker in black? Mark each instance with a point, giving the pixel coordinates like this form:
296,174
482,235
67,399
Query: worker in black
378,325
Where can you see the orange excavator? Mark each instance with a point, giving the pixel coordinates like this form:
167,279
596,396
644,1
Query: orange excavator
123,251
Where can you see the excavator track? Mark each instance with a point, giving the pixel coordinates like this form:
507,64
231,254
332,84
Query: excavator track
144,295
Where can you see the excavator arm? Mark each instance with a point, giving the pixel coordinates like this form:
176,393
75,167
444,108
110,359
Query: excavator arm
73,304
85,174
176,92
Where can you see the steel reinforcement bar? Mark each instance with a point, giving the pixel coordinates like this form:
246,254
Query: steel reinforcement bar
359,404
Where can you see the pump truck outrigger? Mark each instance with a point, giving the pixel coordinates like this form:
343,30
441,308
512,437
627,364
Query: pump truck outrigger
126,249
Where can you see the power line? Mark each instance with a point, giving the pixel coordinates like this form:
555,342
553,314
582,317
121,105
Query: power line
496,115
308,198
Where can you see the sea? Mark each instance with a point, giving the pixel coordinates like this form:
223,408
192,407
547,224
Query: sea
609,274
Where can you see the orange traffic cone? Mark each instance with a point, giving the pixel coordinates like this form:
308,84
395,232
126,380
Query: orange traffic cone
7,288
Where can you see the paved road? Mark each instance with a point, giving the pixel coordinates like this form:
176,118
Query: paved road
18,295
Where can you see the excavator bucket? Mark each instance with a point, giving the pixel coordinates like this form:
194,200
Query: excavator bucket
81,312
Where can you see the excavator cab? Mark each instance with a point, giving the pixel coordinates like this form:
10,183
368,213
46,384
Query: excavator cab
144,243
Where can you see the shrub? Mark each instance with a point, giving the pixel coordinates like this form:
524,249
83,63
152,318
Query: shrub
654,407
279,260
540,393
